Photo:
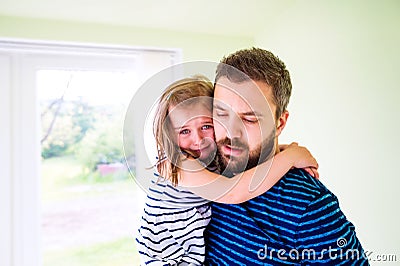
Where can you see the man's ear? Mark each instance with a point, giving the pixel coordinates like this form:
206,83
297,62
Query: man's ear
281,123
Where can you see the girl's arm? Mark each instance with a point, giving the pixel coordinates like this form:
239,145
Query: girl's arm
246,185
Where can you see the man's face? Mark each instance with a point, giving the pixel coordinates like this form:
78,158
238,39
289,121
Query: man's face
244,124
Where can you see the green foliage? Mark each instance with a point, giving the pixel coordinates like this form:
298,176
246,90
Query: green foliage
83,118
61,175
53,150
94,177
121,252
92,134
64,123
101,144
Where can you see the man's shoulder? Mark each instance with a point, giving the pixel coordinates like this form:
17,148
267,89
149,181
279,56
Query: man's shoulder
299,185
297,176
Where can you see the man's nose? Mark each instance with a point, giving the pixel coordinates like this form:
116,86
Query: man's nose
234,127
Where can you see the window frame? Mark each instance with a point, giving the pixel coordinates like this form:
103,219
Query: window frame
20,134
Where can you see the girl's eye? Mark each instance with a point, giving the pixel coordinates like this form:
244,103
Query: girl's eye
206,127
184,132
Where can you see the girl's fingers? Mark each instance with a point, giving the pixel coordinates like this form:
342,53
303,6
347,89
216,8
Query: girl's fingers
312,171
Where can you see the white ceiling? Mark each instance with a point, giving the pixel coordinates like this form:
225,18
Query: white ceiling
228,17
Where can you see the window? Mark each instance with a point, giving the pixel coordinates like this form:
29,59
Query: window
84,75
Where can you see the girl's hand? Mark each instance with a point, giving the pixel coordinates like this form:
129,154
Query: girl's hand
312,171
301,158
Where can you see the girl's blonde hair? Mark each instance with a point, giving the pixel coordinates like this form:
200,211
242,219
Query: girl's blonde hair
179,92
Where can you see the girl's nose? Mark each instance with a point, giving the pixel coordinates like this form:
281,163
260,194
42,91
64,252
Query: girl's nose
197,137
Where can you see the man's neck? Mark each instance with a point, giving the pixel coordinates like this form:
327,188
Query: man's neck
277,150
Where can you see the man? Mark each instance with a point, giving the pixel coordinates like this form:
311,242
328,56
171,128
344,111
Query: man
298,221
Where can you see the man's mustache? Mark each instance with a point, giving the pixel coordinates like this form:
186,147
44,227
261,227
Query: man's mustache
235,143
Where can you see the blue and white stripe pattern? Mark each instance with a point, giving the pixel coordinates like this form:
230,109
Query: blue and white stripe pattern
172,226
296,222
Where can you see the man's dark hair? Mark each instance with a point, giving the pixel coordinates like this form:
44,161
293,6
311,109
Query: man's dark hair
259,65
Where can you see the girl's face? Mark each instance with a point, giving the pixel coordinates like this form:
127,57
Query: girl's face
193,129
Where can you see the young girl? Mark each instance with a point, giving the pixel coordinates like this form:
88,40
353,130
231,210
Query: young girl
174,219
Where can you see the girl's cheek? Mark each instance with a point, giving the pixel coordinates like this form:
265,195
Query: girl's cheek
211,135
182,144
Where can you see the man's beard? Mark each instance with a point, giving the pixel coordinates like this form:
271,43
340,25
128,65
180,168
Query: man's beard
231,165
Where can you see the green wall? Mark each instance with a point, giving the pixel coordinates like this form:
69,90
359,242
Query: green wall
195,46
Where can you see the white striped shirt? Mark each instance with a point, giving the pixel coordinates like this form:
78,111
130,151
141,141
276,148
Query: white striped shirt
172,226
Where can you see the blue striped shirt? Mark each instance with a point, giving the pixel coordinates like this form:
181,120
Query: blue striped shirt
296,222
